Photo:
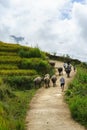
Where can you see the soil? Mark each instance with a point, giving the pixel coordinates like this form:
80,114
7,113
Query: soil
48,110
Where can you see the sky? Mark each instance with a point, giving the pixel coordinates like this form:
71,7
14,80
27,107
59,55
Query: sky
55,26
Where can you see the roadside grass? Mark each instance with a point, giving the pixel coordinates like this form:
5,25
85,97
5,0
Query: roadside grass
76,96
13,107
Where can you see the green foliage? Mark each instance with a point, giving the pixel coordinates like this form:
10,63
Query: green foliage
17,72
8,66
5,91
9,47
20,82
76,96
40,65
82,75
83,65
13,110
10,59
32,52
1,81
78,107
8,53
4,125
63,58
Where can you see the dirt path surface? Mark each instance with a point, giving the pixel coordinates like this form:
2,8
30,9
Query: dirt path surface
48,111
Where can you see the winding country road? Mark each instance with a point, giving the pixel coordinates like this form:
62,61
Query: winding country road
48,111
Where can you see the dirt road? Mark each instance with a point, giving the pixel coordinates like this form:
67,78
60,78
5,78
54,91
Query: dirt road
48,111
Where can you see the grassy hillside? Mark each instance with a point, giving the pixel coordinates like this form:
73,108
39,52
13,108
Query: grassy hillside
19,65
16,60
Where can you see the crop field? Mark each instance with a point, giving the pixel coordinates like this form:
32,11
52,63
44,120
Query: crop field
19,65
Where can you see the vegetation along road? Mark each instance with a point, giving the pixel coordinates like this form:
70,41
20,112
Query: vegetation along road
48,110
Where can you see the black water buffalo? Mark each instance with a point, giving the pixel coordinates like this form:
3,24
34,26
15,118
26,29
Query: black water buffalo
68,70
52,63
60,70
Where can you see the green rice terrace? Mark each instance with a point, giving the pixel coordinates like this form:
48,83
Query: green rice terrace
19,65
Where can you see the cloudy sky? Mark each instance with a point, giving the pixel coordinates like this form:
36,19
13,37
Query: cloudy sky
58,26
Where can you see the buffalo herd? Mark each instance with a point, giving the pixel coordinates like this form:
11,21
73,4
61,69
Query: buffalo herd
47,78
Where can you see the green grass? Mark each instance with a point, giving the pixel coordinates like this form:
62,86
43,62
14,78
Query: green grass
76,96
8,54
7,47
8,67
10,59
17,72
40,65
13,110
32,53
20,82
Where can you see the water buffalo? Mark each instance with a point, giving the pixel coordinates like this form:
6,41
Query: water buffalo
54,79
47,75
52,63
60,70
65,66
47,80
68,70
37,81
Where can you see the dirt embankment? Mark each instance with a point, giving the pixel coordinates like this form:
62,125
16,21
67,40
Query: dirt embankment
48,111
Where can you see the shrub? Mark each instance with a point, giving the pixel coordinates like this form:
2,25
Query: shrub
78,107
19,82
76,96
32,52
41,66
5,92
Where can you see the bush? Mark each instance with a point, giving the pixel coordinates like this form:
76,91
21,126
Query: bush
76,95
20,82
41,66
32,52
78,107
5,92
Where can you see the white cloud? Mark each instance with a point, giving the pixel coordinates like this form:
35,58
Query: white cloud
55,25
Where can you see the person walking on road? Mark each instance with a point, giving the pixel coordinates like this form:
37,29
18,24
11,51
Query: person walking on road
62,83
